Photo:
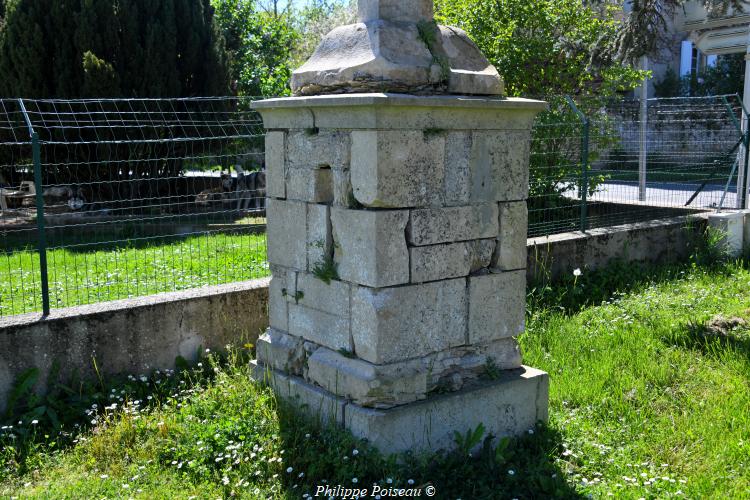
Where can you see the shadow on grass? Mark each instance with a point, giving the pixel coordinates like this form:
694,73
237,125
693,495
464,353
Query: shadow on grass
330,456
124,237
571,294
716,337
68,406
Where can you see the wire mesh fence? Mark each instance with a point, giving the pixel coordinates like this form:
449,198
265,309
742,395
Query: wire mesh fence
132,197
109,199
605,162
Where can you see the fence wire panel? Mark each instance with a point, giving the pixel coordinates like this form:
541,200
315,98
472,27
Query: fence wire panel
679,156
139,197
19,260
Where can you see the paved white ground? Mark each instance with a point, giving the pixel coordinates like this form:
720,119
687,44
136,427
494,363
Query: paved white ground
670,194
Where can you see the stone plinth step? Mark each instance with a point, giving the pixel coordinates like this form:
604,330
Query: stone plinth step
508,406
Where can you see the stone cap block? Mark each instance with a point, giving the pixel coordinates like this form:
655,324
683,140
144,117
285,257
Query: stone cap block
393,111
397,45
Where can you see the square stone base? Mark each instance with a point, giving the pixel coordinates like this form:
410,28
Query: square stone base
508,406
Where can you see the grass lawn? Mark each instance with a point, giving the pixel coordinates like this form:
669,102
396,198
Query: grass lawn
650,398
89,273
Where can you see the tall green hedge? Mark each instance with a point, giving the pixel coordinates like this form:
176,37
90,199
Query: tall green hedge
110,48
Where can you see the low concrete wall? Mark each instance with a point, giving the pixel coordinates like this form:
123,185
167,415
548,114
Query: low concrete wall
664,241
131,336
140,335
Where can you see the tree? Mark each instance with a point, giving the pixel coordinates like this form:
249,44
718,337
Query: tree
316,20
727,77
544,47
103,48
259,44
548,48
644,28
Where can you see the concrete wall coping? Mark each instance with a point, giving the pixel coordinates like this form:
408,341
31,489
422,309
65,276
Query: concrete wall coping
623,228
130,304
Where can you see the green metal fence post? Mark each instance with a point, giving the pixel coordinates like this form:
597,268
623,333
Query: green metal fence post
745,135
584,187
746,117
42,240
36,154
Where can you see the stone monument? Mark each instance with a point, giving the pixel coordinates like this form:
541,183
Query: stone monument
397,236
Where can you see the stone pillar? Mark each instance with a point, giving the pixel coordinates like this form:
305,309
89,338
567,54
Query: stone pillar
397,239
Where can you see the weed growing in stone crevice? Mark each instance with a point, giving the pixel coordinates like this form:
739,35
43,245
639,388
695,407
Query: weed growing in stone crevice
491,370
327,270
347,353
429,32
298,295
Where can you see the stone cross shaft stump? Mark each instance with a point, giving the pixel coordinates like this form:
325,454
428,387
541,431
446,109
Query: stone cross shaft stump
397,241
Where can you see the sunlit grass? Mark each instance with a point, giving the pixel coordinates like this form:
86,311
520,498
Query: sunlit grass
645,403
85,274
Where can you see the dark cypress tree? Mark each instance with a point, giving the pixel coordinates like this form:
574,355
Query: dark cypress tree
110,48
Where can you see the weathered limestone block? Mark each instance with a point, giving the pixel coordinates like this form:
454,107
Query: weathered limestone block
276,164
282,352
319,312
319,235
313,149
497,306
320,327
287,230
318,166
396,324
457,184
315,294
454,368
451,260
370,246
511,252
731,228
499,169
342,188
508,406
310,185
397,169
446,225
315,402
379,386
282,283
486,166
386,386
